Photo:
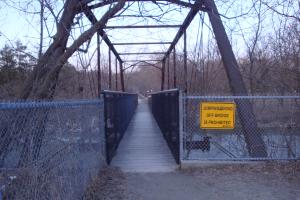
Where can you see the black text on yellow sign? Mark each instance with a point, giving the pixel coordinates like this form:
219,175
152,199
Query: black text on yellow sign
217,115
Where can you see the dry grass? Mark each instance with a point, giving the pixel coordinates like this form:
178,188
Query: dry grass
110,184
290,170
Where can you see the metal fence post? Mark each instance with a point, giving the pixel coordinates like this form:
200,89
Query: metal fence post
180,101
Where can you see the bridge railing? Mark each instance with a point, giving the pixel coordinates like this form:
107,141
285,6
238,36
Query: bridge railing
50,150
119,108
166,111
277,124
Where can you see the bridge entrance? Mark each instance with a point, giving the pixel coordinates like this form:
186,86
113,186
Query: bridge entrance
143,148
176,118
80,135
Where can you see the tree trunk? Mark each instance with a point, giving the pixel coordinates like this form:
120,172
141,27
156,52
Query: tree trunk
42,82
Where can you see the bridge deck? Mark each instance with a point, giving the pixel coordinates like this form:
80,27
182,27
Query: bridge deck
143,148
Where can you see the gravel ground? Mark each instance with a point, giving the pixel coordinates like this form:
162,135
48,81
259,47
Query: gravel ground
238,182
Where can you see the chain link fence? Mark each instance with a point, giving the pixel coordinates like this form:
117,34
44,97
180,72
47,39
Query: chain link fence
50,150
276,127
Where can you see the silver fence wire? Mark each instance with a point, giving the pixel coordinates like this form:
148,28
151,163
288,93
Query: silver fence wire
265,127
50,150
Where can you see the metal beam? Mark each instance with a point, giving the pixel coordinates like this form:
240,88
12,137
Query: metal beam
185,63
116,65
122,76
168,72
174,65
98,65
255,143
90,15
142,53
109,69
163,75
189,18
84,3
133,65
140,43
139,62
142,61
150,66
142,26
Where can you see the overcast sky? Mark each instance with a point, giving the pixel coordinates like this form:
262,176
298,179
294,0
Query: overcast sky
16,25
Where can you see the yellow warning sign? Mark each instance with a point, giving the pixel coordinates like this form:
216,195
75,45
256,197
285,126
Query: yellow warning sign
217,115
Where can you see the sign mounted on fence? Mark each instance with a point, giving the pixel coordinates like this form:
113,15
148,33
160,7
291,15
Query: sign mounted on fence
217,115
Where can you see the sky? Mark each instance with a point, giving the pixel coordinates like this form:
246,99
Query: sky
17,25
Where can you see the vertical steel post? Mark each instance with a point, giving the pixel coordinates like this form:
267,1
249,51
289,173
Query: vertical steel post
122,76
255,144
174,67
181,130
116,63
109,69
168,71
163,75
185,63
98,65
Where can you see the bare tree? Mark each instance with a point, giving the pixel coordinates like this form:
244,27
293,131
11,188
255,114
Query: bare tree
42,83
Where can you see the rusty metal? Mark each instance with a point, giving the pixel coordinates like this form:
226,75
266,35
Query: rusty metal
163,75
168,72
174,68
146,64
109,69
83,5
116,65
185,63
122,76
150,60
142,53
98,65
140,43
143,26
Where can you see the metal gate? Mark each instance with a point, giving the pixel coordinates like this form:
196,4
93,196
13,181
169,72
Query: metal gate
119,108
166,111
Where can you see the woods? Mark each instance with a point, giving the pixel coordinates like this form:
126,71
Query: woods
269,66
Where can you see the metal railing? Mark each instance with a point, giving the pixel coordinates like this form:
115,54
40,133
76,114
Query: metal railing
165,109
277,125
50,150
119,108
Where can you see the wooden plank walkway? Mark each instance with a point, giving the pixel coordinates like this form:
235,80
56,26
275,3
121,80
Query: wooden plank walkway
143,148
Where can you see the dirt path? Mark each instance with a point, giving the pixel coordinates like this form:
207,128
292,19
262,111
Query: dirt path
261,182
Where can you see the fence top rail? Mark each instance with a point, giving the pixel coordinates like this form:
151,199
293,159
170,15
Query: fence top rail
241,97
116,92
240,159
165,91
48,104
